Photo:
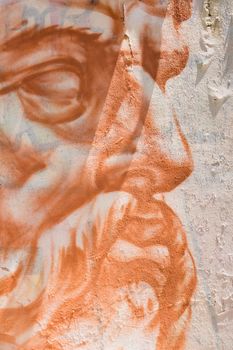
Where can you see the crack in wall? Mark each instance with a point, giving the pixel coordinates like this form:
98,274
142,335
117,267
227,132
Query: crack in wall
127,37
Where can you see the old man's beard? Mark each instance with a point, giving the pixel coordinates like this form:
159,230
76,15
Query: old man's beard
123,269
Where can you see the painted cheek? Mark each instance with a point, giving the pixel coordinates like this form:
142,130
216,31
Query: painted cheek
119,124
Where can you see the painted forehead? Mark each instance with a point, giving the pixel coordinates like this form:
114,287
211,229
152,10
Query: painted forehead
17,16
98,15
179,9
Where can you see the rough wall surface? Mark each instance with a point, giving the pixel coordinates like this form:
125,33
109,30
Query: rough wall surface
115,170
205,200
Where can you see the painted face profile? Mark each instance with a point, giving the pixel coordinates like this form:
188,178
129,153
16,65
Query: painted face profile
92,258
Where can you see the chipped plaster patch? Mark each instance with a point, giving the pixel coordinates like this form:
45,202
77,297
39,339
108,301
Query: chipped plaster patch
210,14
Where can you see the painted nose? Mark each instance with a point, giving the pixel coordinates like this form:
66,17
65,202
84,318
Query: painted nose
162,159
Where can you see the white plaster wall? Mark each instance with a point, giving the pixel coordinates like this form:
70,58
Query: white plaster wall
204,201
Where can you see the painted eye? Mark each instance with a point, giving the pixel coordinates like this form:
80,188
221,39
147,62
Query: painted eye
53,97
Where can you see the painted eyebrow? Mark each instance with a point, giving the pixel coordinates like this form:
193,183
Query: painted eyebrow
37,33
15,52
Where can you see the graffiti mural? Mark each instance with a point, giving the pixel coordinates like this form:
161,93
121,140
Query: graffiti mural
92,256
